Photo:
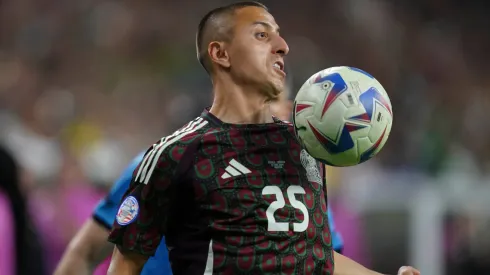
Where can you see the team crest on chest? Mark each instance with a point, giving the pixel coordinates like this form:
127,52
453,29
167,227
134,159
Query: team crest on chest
311,167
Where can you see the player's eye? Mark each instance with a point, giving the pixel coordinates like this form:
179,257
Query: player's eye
262,35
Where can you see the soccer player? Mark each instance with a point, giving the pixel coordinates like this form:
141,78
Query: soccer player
90,247
232,191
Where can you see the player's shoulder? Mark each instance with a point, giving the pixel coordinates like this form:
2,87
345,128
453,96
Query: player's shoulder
168,152
171,147
188,132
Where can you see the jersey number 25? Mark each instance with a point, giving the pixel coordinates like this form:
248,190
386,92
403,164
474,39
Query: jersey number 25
280,203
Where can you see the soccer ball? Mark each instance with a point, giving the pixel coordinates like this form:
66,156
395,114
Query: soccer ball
342,116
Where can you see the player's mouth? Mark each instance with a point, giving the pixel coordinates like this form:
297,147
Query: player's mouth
279,67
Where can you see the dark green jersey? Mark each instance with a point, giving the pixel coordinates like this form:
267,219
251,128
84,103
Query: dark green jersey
230,199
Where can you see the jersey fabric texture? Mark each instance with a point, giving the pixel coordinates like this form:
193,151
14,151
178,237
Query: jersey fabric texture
230,199
107,208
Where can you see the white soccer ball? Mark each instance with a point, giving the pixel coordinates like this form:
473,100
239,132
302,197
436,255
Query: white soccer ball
342,116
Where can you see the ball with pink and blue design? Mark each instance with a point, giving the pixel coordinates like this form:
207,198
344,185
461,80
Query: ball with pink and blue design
342,116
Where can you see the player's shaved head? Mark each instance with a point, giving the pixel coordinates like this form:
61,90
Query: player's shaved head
217,25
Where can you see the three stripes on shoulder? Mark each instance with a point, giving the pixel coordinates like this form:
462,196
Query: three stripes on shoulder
150,160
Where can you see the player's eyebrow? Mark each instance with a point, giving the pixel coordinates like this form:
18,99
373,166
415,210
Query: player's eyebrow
267,25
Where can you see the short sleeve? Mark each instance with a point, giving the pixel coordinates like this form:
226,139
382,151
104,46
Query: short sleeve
141,217
106,210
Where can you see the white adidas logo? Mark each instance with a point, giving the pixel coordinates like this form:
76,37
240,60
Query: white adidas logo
235,169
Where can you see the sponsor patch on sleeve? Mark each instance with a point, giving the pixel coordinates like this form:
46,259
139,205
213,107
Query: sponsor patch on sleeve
128,211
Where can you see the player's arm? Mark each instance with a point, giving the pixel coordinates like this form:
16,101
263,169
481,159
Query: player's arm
141,219
90,247
86,250
126,262
346,266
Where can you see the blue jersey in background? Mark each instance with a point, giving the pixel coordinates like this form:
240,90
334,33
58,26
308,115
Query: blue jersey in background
106,211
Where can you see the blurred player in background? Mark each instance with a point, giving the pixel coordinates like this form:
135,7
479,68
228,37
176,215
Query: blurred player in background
216,188
90,246
20,247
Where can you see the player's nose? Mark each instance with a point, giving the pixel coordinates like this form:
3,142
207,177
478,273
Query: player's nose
280,47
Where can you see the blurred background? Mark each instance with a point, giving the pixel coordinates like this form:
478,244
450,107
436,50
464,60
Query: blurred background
86,85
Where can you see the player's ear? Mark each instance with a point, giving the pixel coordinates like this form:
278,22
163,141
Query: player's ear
218,54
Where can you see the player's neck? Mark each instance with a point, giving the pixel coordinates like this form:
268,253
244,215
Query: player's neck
239,105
